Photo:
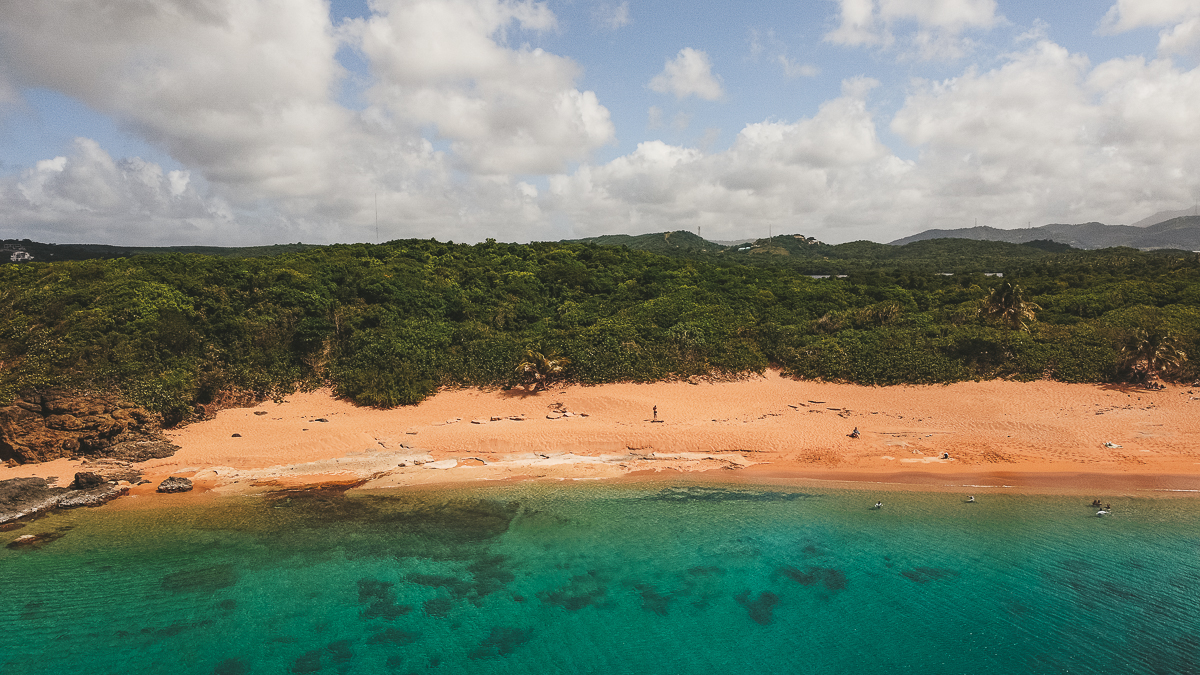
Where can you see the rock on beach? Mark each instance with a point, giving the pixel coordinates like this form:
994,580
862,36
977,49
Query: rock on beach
175,484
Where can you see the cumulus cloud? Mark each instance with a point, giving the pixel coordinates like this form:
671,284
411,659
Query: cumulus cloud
460,111
1182,18
939,24
806,175
689,74
89,197
1045,137
506,111
242,92
1048,136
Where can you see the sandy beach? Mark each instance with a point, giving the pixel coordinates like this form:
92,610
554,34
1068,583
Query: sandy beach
1015,436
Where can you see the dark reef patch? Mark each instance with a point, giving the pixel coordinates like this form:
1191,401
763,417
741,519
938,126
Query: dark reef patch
760,609
583,590
339,651
373,589
308,662
501,642
380,600
204,580
388,526
232,667
923,575
396,662
458,588
491,574
652,600
438,607
711,494
833,580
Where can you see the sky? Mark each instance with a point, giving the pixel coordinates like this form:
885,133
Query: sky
249,122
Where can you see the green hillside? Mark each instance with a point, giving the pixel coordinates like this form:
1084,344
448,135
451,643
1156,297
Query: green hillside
388,324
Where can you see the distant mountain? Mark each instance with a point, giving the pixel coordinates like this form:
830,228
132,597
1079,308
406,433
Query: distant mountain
1176,233
1163,216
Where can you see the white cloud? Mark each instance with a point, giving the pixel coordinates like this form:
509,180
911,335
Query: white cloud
241,92
939,24
506,111
794,69
88,197
689,74
613,18
1182,17
810,175
1130,14
1045,137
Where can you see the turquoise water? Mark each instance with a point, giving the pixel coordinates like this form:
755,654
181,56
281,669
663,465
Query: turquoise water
668,578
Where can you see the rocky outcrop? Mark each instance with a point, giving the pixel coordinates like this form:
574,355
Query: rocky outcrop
52,423
109,479
175,484
92,497
26,496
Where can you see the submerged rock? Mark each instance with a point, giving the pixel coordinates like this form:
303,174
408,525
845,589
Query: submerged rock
175,484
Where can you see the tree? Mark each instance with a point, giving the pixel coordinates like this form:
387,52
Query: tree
1007,304
539,367
1149,354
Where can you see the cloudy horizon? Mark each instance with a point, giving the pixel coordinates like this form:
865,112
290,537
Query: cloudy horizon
248,122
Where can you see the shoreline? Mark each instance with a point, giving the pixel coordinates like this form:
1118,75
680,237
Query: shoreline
1032,437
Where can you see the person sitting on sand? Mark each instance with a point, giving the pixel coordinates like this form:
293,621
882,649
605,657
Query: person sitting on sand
854,434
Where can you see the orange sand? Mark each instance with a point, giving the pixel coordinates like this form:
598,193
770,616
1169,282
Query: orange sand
1029,436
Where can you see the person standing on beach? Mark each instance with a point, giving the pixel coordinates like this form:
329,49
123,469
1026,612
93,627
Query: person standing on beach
656,413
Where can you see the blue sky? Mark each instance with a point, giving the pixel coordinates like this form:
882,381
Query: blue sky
262,121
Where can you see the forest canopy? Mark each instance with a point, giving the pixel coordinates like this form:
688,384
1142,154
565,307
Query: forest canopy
388,324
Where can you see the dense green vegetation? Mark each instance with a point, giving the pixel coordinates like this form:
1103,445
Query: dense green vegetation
388,324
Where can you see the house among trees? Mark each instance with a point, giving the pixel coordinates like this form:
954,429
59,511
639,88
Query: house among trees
19,254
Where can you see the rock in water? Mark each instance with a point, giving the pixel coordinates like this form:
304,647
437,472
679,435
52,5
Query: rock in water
175,484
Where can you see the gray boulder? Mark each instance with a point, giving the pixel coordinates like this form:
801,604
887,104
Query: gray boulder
175,484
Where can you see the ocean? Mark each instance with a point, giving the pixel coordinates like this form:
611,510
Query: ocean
588,577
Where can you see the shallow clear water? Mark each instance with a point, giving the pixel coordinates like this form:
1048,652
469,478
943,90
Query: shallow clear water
658,578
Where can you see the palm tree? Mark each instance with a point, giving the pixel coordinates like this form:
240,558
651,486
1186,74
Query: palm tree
1150,354
1007,304
538,368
